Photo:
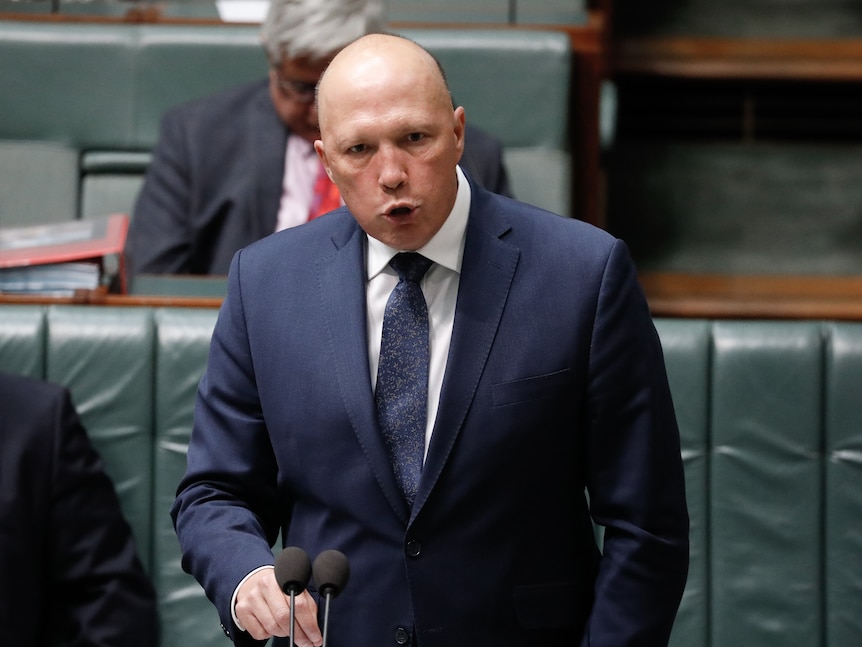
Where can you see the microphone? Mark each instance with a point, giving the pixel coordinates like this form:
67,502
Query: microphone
331,572
292,570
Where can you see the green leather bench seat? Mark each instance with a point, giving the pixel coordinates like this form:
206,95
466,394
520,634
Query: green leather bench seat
182,344
771,432
97,92
772,444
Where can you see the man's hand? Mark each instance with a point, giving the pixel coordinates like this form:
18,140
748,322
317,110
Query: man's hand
264,610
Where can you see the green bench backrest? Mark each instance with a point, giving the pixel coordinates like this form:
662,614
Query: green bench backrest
99,91
490,11
771,432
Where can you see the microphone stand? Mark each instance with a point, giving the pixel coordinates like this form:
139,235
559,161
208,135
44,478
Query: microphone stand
292,616
326,617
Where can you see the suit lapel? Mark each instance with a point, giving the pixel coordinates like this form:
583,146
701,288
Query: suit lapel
342,291
486,277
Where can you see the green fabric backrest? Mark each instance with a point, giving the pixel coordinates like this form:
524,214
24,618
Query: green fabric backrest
476,11
550,12
116,80
105,357
100,90
22,340
38,182
179,63
107,193
182,344
111,181
843,496
541,176
766,484
67,83
687,351
489,11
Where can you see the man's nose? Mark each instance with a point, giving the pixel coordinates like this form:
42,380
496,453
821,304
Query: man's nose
393,167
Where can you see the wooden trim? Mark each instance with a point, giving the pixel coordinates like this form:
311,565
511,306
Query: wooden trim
705,296
145,14
99,298
740,58
714,296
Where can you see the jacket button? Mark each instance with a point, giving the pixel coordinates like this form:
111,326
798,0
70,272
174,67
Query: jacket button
402,636
414,548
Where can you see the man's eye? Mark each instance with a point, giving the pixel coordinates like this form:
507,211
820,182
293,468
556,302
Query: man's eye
415,137
357,148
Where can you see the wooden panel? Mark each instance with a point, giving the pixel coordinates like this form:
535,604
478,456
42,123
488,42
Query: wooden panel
717,296
721,58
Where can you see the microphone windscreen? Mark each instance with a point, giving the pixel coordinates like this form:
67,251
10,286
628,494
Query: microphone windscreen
292,569
331,572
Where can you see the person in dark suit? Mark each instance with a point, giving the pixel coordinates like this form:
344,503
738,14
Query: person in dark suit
71,573
234,167
544,404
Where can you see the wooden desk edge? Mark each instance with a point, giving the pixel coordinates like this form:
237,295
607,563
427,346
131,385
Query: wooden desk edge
743,58
753,296
96,298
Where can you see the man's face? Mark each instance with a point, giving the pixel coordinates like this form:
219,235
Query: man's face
291,87
391,141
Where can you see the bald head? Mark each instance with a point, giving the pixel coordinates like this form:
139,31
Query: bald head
382,61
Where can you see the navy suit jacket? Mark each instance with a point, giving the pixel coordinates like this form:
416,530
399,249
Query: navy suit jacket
555,383
214,184
71,574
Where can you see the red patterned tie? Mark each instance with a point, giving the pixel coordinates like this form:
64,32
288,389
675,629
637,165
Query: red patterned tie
326,196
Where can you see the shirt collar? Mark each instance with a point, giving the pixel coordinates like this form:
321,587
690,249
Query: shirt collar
446,248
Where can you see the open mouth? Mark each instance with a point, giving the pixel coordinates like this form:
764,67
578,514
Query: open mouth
401,211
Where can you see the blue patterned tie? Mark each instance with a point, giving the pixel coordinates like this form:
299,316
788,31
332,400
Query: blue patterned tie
402,375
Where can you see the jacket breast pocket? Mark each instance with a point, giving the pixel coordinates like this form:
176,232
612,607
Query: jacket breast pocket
530,389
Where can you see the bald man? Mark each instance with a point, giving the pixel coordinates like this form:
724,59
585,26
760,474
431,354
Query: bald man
544,405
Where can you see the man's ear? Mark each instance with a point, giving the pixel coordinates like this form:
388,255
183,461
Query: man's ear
460,121
320,149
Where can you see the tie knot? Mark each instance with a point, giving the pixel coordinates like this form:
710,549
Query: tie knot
410,266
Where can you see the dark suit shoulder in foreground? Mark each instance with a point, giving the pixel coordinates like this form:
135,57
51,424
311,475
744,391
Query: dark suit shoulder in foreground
71,573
